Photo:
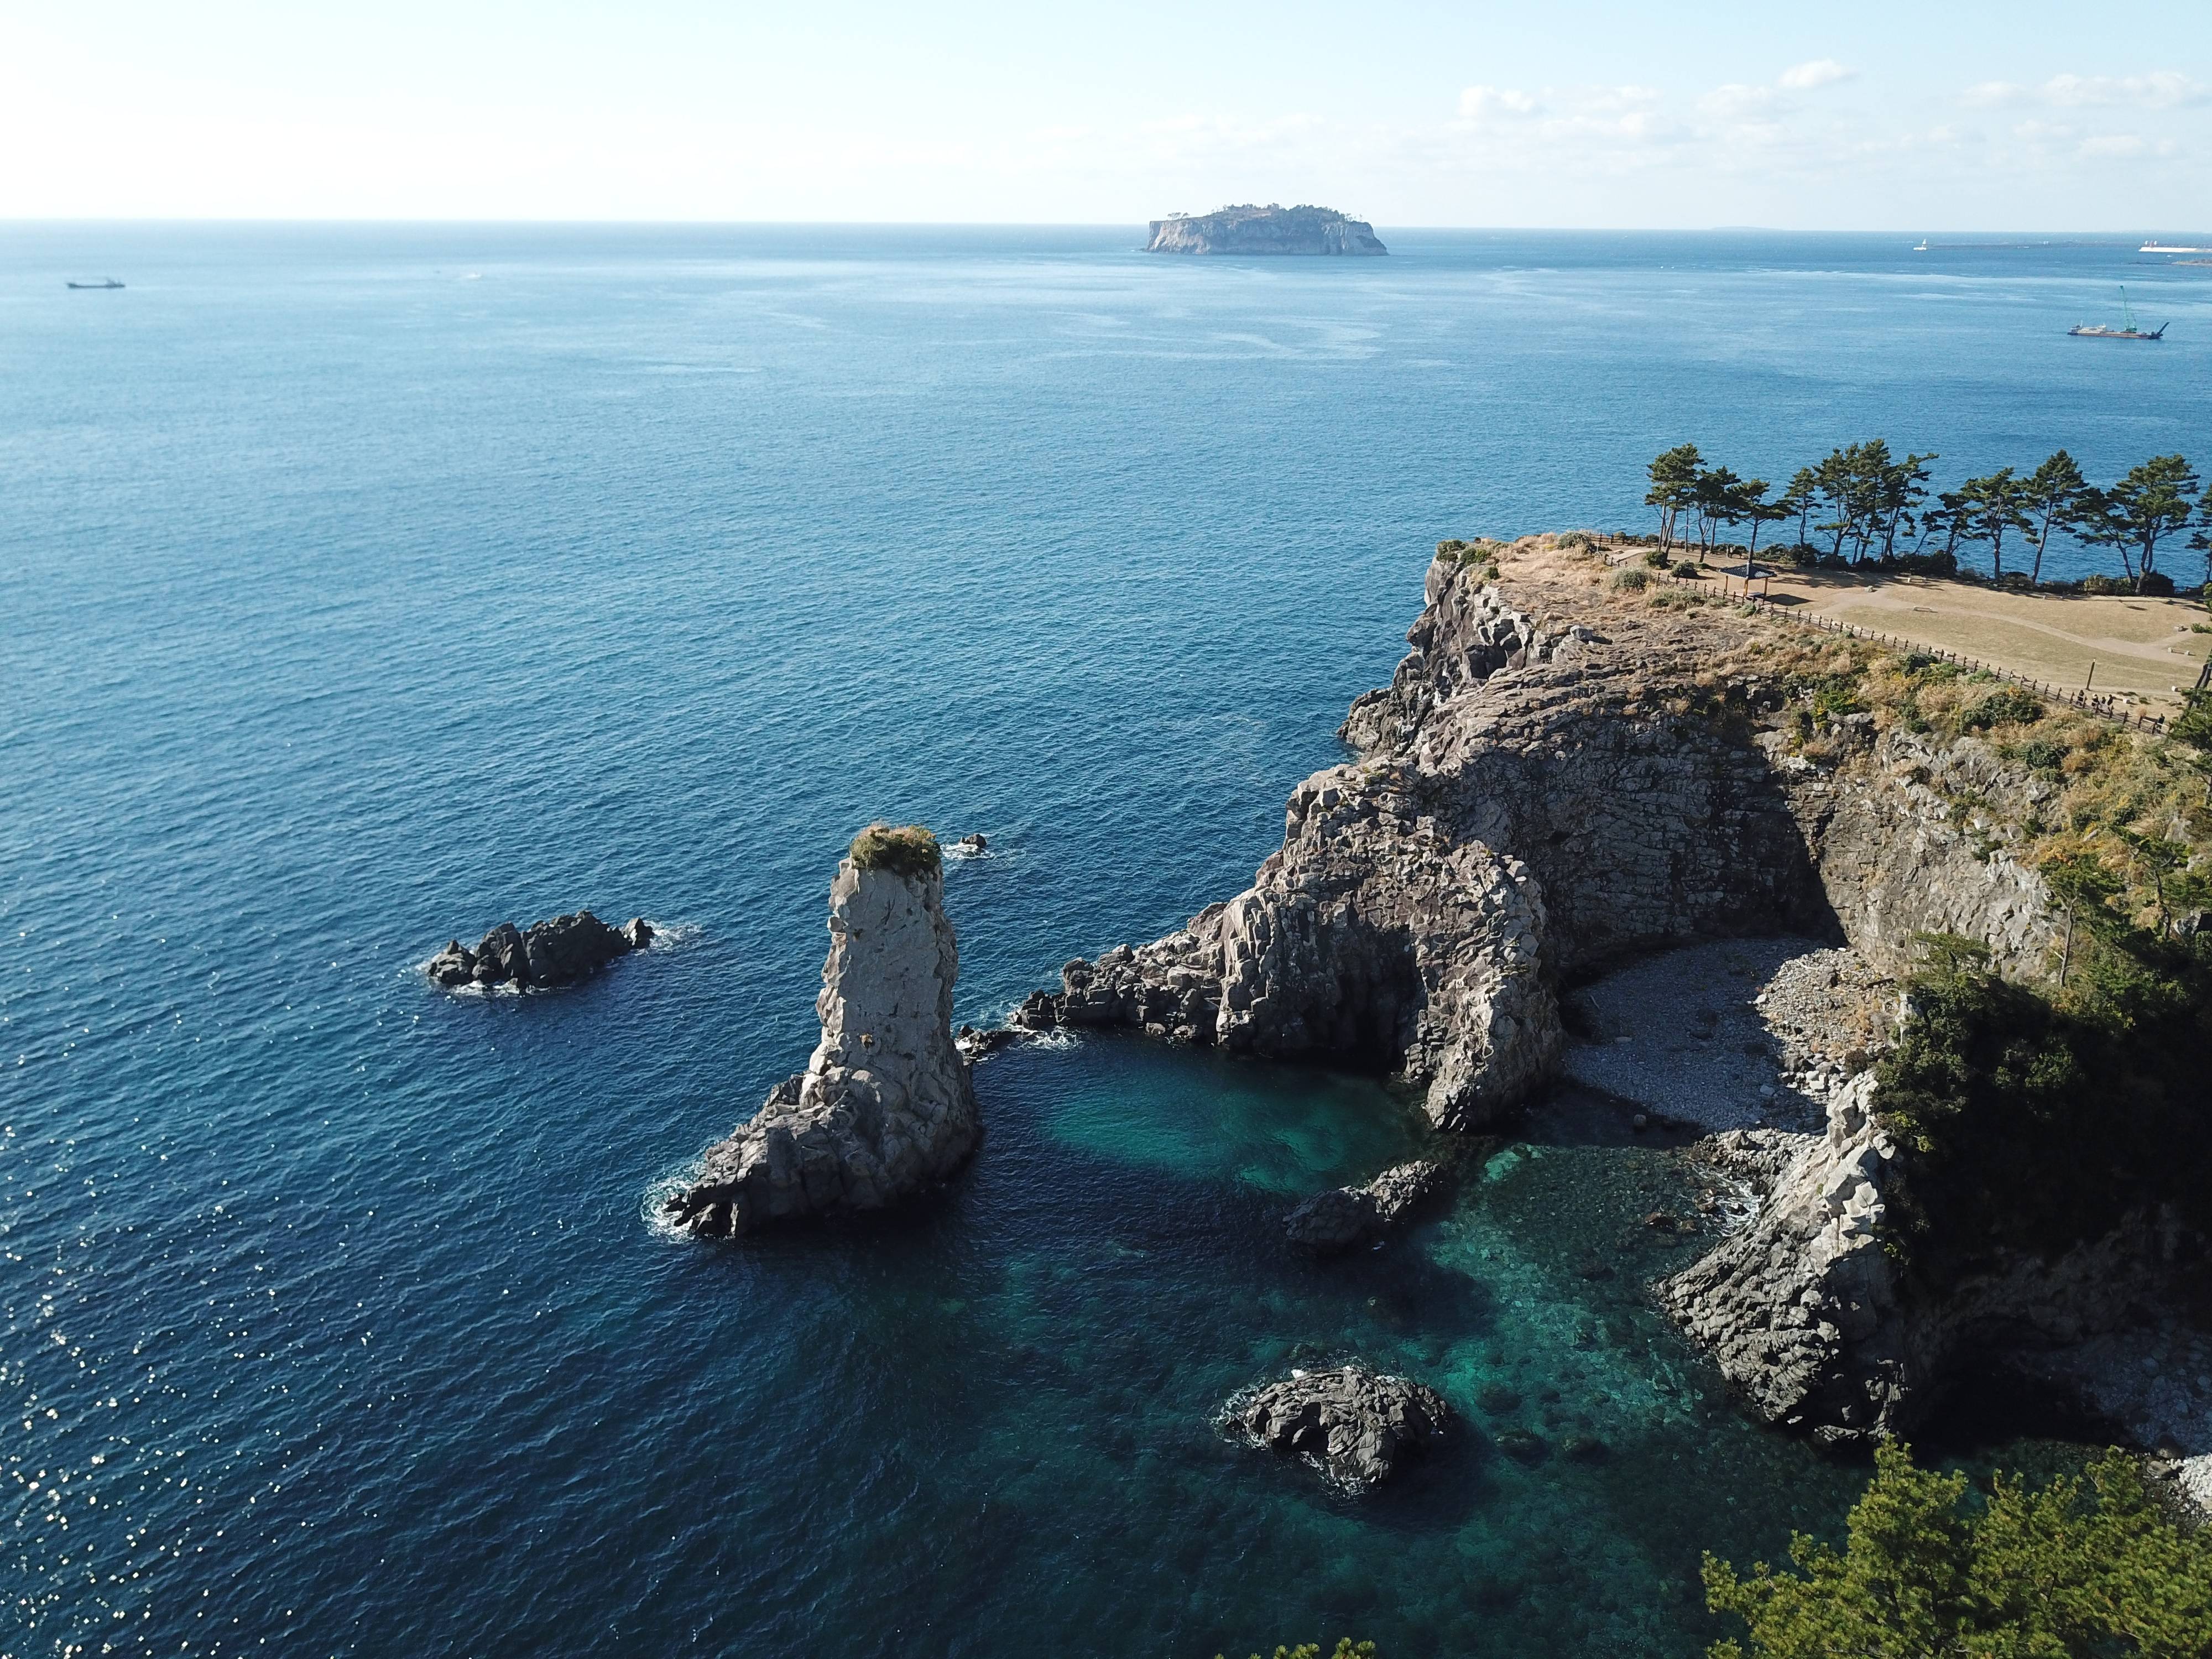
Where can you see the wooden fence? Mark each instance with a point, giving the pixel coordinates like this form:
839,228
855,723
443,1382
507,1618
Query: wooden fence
2088,701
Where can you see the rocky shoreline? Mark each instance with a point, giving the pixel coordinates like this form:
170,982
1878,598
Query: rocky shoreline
1560,782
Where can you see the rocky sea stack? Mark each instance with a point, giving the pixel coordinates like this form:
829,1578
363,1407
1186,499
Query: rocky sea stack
549,954
886,1106
1270,229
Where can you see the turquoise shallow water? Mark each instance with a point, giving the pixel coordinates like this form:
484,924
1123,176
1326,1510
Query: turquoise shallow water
367,586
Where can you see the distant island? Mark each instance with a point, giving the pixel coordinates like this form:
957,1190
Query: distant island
1270,229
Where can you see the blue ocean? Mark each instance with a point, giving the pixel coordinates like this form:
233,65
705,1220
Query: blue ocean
363,586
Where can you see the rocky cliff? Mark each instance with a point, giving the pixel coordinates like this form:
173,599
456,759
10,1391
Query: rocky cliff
1808,1313
1551,780
1270,229
886,1106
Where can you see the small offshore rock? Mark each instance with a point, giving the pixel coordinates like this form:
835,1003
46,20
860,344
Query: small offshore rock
975,1045
1352,1425
1338,1219
559,951
974,846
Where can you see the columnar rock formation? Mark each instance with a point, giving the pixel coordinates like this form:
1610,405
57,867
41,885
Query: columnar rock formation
552,953
1533,797
886,1106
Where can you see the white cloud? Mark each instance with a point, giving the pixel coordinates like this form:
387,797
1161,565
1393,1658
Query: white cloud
2161,89
1478,103
1736,101
1821,72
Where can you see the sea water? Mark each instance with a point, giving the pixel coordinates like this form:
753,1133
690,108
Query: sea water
363,586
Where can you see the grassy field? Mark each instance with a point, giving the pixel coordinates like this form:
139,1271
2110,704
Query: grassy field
2149,650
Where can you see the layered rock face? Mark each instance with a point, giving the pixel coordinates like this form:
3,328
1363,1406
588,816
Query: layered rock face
1537,796
1351,1425
886,1106
1806,1311
552,953
1250,229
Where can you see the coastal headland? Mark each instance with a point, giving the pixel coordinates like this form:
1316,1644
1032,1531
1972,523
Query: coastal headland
1577,766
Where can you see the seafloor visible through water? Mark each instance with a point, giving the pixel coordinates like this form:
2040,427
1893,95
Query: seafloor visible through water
366,587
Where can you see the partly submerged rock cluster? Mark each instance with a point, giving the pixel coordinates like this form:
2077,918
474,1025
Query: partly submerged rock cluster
886,1105
548,954
1352,1425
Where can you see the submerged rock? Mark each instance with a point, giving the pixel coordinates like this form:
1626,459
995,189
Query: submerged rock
551,953
1353,1425
886,1106
1337,1219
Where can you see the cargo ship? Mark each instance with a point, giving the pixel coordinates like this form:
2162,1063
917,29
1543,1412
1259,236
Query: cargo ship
110,282
2126,330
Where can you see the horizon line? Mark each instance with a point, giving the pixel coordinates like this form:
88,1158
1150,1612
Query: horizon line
151,221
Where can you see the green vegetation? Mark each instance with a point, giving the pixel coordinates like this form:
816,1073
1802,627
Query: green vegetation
2039,1118
1632,581
1346,1648
2039,1113
1874,508
2079,1567
908,850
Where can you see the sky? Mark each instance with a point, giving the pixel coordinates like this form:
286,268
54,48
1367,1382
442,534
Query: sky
1669,114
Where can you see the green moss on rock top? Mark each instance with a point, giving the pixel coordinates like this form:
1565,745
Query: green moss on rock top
906,850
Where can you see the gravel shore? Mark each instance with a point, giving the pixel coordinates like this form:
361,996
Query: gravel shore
1732,1033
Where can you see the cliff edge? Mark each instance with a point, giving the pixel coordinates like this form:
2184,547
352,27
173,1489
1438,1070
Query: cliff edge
886,1105
1269,230
1536,796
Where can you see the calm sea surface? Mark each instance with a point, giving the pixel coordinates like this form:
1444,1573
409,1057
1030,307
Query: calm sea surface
365,586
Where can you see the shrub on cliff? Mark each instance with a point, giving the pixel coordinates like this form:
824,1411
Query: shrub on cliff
908,850
1345,1649
1632,581
2077,1567
2041,1118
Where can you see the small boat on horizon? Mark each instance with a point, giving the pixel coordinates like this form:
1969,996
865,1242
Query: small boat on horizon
2127,330
2156,246
1922,246
110,282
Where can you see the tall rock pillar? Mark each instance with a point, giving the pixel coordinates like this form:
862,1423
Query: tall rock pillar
886,1106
